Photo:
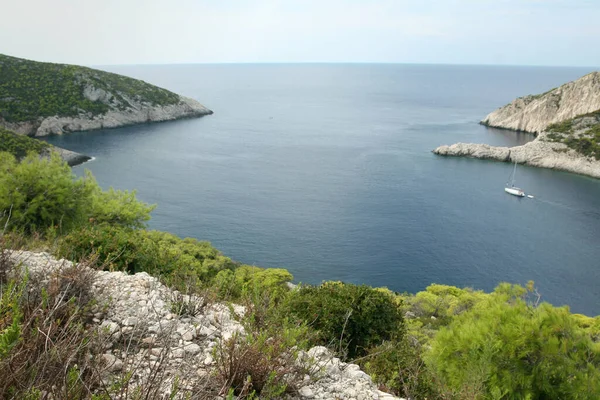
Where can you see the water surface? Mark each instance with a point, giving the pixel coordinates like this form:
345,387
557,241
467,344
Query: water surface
327,170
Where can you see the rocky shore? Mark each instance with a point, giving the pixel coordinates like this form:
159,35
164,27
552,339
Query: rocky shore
137,113
538,153
138,310
569,105
72,158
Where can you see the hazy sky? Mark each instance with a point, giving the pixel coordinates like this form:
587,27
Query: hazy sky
100,32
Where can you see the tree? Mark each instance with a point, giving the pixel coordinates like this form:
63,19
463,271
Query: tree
508,348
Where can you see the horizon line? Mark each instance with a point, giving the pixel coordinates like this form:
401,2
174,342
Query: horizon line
343,63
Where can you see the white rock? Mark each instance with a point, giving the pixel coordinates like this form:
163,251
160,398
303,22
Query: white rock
537,153
131,321
112,363
535,113
306,392
192,348
178,353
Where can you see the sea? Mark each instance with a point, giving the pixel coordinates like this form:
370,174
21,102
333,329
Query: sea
326,170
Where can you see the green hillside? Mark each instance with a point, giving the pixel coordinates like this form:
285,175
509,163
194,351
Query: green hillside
20,145
581,133
30,90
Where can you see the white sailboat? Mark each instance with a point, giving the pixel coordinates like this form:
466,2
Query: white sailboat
510,187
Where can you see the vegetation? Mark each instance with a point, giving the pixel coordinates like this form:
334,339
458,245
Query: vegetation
351,318
20,145
507,348
581,134
31,89
441,343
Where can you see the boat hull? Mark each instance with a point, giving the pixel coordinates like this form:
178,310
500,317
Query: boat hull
514,191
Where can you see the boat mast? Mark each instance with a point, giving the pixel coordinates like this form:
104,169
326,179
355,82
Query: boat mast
514,174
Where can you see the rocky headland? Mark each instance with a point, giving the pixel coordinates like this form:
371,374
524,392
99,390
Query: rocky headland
136,112
566,121
40,99
538,153
534,113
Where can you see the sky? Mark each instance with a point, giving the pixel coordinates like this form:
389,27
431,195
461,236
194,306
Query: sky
112,32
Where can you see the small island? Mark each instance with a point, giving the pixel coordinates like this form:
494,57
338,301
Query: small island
565,120
40,99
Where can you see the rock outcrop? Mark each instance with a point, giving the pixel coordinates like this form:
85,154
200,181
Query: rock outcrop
535,113
72,158
137,113
137,310
564,119
538,153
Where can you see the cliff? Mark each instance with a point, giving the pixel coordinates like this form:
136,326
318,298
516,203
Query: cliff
535,112
38,99
567,123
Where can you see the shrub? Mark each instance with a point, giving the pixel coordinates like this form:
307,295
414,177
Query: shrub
263,363
506,347
397,367
20,145
44,343
180,262
353,318
37,194
247,280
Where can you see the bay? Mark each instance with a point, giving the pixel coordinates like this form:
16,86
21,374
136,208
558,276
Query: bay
327,170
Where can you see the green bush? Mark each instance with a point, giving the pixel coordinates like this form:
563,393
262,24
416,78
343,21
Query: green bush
180,262
508,348
397,367
350,317
20,145
37,194
248,280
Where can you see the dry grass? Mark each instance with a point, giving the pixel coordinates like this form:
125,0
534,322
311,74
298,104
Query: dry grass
50,358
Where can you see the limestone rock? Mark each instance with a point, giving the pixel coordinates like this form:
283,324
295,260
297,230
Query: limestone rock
535,113
137,307
538,153
137,113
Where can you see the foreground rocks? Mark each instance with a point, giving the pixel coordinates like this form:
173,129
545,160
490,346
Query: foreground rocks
538,153
535,113
144,337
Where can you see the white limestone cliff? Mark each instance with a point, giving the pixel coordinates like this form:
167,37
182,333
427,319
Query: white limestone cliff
137,112
535,113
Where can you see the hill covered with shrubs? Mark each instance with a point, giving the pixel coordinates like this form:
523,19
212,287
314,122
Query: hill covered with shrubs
39,98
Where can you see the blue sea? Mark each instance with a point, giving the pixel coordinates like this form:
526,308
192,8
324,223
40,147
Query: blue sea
327,170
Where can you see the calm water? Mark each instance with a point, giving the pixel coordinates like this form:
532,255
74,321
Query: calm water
326,170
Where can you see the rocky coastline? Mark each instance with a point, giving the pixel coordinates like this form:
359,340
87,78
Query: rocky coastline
540,114
538,153
138,113
72,158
